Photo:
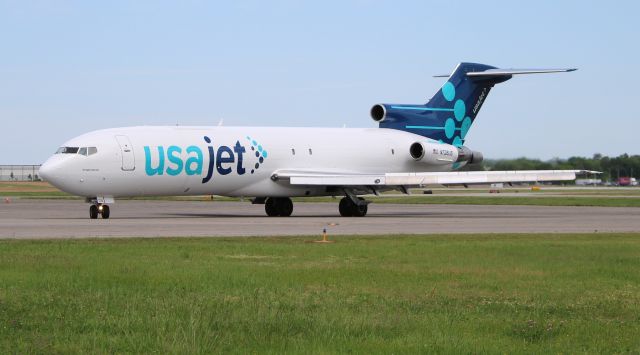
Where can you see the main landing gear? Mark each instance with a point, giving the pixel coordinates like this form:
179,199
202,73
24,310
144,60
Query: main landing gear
99,209
278,206
349,208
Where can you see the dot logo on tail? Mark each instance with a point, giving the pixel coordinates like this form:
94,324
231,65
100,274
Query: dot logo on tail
459,122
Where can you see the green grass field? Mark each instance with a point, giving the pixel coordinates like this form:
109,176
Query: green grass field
541,200
394,294
544,190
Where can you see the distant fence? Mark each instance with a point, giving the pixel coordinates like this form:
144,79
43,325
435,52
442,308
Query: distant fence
20,173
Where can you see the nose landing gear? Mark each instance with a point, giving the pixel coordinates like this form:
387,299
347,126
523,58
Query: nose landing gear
99,209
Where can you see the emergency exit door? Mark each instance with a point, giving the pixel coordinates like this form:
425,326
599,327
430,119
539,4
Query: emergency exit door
126,150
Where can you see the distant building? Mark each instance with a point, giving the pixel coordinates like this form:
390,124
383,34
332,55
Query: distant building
20,173
584,182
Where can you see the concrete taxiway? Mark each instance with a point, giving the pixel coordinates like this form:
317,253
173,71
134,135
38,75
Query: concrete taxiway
69,219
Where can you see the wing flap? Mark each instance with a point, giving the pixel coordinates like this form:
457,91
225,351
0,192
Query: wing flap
480,177
338,180
431,178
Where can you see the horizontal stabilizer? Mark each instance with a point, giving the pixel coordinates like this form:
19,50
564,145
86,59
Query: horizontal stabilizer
503,72
509,72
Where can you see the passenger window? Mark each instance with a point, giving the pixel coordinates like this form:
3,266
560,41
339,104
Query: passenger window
83,151
92,150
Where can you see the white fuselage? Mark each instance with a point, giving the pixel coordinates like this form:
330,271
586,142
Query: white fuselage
232,161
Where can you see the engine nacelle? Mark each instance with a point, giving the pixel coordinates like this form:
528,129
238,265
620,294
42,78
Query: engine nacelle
390,112
442,154
433,153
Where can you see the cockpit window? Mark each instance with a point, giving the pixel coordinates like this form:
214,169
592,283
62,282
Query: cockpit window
86,151
67,150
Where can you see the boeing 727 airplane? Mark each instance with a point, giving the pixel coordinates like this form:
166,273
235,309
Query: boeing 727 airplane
415,145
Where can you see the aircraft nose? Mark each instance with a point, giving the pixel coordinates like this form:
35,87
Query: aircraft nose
50,171
45,170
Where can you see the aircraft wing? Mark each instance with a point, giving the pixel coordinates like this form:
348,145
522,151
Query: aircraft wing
429,178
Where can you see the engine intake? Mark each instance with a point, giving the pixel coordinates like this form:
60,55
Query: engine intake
416,150
378,113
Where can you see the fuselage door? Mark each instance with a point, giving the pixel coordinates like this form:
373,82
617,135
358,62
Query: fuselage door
128,158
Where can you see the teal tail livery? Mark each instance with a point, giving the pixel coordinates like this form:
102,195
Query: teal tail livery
448,116
415,146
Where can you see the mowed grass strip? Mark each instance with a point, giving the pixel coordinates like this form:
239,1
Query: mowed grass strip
393,294
541,200
515,200
39,189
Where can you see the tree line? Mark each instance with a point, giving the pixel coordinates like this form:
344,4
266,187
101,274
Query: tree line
611,167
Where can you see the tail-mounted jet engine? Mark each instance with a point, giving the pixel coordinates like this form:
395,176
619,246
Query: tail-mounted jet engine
389,112
441,154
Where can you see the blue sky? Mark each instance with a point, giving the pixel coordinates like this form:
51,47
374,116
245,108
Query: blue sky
70,67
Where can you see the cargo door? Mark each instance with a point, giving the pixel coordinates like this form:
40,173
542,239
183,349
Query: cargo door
126,149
